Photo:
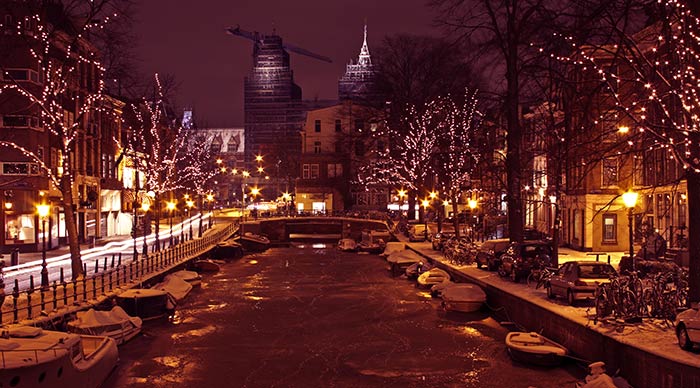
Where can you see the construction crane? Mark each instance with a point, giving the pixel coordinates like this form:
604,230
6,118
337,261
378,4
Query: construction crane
257,37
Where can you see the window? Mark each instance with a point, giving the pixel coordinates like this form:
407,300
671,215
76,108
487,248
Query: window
20,121
20,169
21,75
609,228
338,127
317,147
317,126
335,170
309,171
610,172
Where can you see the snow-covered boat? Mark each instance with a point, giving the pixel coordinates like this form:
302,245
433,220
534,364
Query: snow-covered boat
416,269
534,348
32,357
206,266
431,277
175,286
147,303
393,246
190,277
371,243
347,245
437,289
227,250
399,261
115,323
462,297
253,242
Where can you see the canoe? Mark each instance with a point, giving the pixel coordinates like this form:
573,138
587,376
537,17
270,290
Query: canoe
463,297
534,348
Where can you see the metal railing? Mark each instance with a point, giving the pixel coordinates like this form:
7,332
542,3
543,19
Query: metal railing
75,295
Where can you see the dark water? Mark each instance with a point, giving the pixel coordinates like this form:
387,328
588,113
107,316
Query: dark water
315,317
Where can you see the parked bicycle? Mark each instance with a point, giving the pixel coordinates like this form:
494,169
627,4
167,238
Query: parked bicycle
538,277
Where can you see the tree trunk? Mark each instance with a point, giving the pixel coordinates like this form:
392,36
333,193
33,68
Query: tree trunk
693,179
156,211
76,261
455,214
411,212
514,136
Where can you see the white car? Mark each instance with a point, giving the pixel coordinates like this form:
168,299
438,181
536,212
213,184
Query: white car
688,328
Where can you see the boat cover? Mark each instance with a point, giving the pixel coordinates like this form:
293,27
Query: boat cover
94,318
463,292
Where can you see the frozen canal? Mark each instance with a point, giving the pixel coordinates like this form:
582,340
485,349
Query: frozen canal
316,317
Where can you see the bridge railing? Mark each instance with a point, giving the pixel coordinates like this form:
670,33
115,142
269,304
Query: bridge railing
64,297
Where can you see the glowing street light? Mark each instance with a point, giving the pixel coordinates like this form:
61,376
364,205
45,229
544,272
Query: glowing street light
472,206
402,194
145,206
190,203
425,204
630,200
43,210
171,208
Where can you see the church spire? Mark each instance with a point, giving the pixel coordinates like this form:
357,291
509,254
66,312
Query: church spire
364,58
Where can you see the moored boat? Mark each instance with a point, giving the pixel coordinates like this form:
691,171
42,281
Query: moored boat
206,266
32,357
227,250
400,260
190,277
462,297
177,287
431,277
147,303
416,269
116,324
347,245
254,242
534,348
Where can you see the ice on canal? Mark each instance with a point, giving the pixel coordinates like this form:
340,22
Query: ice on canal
314,316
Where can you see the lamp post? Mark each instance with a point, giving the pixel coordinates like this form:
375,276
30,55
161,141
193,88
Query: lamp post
402,195
43,210
145,206
630,200
171,209
210,200
190,203
425,204
254,191
287,197
472,206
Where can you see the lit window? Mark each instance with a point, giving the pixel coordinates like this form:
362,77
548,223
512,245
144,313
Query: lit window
610,228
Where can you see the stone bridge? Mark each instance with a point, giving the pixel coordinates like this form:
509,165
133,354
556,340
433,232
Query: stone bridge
286,229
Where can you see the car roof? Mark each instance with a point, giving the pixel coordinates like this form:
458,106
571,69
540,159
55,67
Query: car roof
588,262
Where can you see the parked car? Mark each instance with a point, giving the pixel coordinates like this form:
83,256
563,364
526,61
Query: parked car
417,232
489,253
520,258
439,239
688,328
578,279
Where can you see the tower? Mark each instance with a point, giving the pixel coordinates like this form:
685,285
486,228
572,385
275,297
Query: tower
358,83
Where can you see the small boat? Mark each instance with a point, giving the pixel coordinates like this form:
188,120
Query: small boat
416,269
147,303
347,245
254,242
32,357
400,260
116,324
462,297
534,348
190,277
371,243
206,266
175,286
431,277
227,250
437,289
393,246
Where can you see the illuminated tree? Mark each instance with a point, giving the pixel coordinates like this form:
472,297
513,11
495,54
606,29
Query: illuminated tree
63,91
652,81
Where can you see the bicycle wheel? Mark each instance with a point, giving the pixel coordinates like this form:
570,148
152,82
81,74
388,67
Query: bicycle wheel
603,307
533,278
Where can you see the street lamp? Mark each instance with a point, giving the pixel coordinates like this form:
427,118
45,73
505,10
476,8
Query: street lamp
171,208
425,204
402,195
287,197
43,210
145,206
190,203
210,200
254,191
630,200
472,206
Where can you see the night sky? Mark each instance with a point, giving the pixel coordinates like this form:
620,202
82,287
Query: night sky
187,39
